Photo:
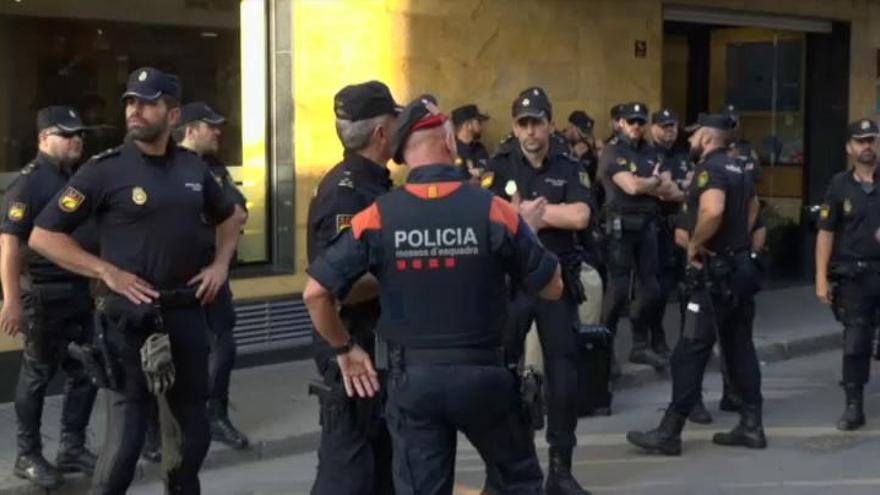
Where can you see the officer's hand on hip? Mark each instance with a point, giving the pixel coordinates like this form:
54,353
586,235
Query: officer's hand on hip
129,285
358,374
11,319
210,280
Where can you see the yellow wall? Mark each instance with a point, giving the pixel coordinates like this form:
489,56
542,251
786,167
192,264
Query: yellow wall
485,51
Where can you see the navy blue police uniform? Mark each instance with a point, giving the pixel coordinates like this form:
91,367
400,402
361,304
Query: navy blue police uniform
354,437
720,306
671,258
441,249
631,235
147,209
473,155
220,313
57,309
560,180
851,211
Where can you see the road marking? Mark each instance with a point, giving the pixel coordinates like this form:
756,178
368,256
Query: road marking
805,483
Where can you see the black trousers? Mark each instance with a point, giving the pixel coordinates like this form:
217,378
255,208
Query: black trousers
557,323
730,320
354,441
627,252
127,408
53,320
220,315
858,300
428,405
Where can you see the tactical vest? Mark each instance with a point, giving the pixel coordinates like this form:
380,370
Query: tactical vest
442,285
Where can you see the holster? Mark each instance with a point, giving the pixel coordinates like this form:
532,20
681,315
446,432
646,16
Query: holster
571,280
93,362
531,390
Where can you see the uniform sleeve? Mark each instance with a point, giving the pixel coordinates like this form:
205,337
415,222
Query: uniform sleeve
232,190
711,178
577,189
831,214
344,261
336,205
19,208
494,178
528,263
609,163
218,205
82,196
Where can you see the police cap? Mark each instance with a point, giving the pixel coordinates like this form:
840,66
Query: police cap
532,102
718,121
664,117
150,84
200,111
364,101
582,121
863,128
467,112
65,118
634,110
421,113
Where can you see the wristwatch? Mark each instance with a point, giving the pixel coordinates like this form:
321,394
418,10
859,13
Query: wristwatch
344,348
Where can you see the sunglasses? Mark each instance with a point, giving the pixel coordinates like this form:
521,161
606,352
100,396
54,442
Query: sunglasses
635,121
68,134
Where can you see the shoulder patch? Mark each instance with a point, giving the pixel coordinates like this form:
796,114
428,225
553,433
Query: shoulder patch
825,211
16,211
703,179
343,222
585,178
70,200
487,180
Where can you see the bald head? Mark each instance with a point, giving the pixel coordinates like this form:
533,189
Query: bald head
707,139
430,146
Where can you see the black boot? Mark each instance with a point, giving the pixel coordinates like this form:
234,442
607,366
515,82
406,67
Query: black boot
559,478
73,456
748,433
222,429
700,415
665,439
730,402
643,354
854,415
36,469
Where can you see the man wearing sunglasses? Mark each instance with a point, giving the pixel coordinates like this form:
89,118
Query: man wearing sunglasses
50,306
848,256
632,179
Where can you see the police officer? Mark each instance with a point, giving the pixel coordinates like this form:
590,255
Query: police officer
721,282
631,175
472,155
148,198
675,163
523,174
199,132
354,436
440,249
50,305
848,256
579,135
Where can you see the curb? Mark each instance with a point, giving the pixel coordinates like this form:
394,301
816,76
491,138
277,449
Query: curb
633,376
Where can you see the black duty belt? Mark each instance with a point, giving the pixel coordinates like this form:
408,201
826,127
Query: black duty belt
482,356
177,298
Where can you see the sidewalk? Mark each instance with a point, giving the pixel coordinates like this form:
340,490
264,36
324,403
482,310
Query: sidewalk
271,405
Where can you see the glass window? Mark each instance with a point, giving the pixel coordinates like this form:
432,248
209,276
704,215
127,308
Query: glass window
83,57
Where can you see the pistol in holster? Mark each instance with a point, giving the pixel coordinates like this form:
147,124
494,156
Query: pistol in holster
531,389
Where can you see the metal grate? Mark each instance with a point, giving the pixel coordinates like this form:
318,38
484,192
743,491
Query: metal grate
272,325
